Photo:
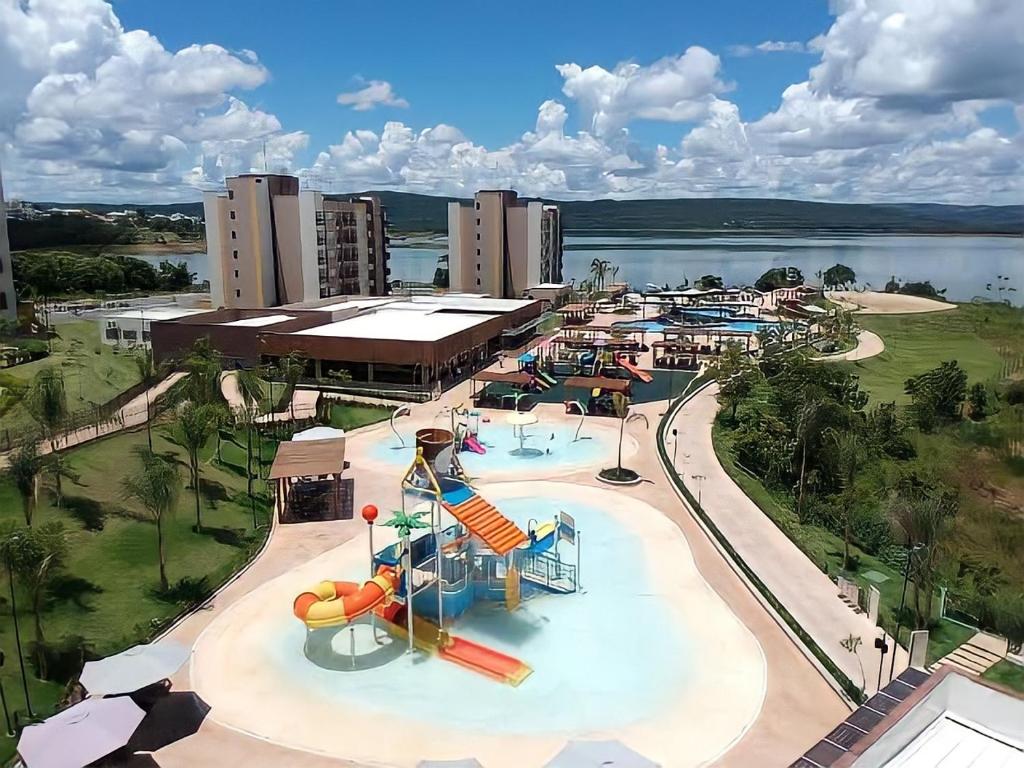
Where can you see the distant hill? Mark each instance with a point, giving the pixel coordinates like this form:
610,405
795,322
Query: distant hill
411,212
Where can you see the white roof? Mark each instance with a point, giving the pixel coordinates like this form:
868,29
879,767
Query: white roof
398,325
156,313
470,303
318,433
951,743
549,286
355,303
259,322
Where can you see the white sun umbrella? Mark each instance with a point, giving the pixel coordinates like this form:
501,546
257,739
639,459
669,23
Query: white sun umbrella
521,418
133,669
80,734
598,754
319,433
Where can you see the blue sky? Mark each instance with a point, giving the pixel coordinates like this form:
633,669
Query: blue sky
488,84
848,100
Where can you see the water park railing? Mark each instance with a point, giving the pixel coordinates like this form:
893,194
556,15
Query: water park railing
550,571
848,687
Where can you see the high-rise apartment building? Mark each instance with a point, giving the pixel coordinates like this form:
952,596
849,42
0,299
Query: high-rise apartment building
8,299
270,243
502,246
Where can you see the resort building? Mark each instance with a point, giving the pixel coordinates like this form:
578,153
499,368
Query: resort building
502,246
131,327
271,244
415,343
8,299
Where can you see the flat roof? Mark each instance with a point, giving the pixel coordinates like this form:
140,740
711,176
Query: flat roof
354,303
156,313
952,743
259,322
549,286
471,303
397,325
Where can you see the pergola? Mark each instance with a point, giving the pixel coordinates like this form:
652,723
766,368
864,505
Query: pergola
308,475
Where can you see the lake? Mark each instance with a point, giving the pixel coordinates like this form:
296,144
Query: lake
967,266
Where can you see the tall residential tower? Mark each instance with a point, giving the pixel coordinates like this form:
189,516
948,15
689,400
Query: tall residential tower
8,299
502,246
270,243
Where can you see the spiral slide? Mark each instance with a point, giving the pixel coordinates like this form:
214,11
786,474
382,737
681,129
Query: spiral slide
334,603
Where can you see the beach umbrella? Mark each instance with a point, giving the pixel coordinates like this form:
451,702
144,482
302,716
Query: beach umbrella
172,717
80,734
134,668
319,433
468,762
599,754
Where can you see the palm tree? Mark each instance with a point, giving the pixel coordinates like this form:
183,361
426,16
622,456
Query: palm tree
203,366
47,403
35,555
60,468
250,386
621,405
193,428
290,368
155,487
922,522
23,469
808,425
851,455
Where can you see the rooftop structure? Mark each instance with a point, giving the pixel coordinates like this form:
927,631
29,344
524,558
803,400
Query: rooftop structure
271,244
133,326
501,246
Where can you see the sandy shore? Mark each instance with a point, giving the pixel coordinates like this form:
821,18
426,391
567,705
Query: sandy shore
878,303
235,669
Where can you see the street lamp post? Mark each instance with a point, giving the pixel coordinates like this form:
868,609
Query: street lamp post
675,445
700,486
903,602
17,637
883,648
3,701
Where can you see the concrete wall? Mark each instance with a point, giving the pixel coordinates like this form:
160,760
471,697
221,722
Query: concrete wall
288,245
518,233
456,247
213,212
534,216
309,203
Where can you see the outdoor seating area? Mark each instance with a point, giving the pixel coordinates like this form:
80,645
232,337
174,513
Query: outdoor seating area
308,475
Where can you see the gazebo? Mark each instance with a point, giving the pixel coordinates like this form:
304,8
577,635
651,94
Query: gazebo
309,483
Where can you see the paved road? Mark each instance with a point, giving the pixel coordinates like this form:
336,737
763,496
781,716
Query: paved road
807,593
868,345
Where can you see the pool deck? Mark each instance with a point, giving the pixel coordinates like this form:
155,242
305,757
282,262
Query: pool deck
798,704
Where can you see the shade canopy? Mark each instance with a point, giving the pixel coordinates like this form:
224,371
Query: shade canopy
521,418
517,378
598,382
599,754
133,669
309,458
80,734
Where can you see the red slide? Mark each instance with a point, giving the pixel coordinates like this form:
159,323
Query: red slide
485,660
644,376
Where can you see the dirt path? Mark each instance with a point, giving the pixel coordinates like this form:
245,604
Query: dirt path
878,303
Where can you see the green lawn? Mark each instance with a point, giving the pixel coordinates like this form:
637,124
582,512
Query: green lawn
348,415
1007,673
93,372
917,343
107,591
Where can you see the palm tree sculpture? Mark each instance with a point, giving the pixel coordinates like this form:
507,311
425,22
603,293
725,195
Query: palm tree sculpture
405,524
621,406
156,489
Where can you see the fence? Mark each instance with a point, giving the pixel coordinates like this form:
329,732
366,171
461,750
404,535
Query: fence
844,682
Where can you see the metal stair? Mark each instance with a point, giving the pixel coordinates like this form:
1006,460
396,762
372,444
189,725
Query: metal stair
548,572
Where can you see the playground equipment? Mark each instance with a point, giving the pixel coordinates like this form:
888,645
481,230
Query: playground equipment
336,603
642,375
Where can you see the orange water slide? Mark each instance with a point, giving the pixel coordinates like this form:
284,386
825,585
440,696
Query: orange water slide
332,603
644,376
486,661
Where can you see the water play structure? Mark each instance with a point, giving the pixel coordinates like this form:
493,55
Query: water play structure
422,585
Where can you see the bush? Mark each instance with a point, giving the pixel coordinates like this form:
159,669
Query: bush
1013,393
1005,610
64,660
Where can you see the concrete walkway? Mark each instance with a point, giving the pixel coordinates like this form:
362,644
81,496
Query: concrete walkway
976,655
807,593
868,345
303,406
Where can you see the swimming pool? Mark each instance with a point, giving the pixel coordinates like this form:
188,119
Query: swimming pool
646,652
548,446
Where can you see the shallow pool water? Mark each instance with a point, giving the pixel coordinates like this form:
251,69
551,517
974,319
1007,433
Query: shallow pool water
601,658
546,445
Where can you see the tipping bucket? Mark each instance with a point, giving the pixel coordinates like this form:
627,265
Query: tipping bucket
437,445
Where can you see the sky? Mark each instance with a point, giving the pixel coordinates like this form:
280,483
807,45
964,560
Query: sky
845,101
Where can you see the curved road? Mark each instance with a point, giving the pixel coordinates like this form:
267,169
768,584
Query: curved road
868,345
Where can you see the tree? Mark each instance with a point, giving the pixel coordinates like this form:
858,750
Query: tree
851,456
47,403
979,401
737,376
852,643
839,276
922,522
34,555
23,469
808,429
290,368
709,283
779,277
203,366
193,428
155,487
60,467
937,395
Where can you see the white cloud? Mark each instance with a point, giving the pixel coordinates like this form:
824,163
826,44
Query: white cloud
672,89
376,93
768,46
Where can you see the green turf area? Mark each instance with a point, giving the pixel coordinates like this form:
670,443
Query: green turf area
106,592
93,372
1006,673
349,416
917,343
945,637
